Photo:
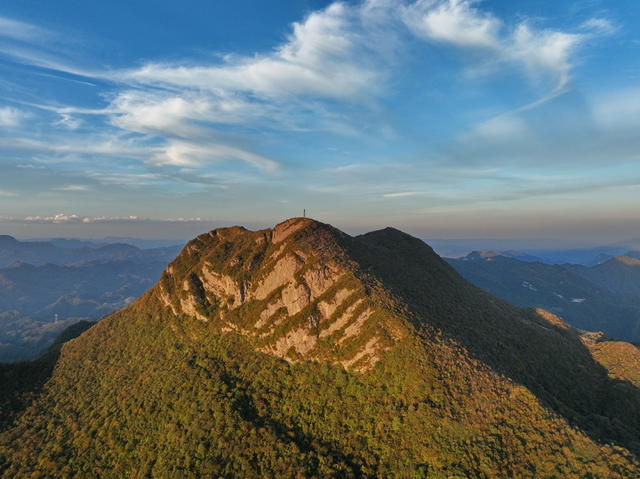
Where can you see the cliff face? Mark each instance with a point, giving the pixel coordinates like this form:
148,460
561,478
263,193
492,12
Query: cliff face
300,351
293,290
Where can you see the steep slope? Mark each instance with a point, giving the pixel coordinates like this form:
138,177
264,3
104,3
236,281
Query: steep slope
304,352
569,291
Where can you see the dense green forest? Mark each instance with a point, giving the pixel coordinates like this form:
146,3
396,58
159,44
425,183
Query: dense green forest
410,373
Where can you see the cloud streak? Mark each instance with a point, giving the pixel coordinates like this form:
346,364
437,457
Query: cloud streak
62,218
21,31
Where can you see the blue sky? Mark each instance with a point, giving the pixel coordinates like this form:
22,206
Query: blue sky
446,118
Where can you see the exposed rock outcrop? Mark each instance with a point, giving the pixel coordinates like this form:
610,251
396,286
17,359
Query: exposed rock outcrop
293,288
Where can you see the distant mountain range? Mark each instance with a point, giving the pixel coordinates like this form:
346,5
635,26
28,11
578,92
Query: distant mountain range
604,297
142,243
620,274
59,252
544,251
489,255
45,286
301,352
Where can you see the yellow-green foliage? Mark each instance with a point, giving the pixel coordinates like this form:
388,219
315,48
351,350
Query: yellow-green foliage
474,389
621,359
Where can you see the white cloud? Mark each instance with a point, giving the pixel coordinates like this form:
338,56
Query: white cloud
125,179
63,218
322,56
56,219
327,56
68,121
402,194
73,188
336,61
601,26
542,52
503,127
10,117
181,153
33,45
109,145
453,21
14,29
142,112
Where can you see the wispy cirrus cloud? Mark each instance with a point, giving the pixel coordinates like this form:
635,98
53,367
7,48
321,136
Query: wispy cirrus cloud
226,121
402,194
541,52
73,188
326,55
338,54
22,31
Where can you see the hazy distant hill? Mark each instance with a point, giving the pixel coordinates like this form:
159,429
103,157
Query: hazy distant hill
546,251
304,352
38,300
600,298
43,252
142,243
489,254
31,289
620,274
22,337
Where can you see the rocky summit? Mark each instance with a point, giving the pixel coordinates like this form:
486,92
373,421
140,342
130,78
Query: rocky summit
294,291
301,351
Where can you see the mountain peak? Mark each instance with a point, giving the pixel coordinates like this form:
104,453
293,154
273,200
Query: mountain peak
626,260
482,255
293,289
284,230
490,255
391,234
